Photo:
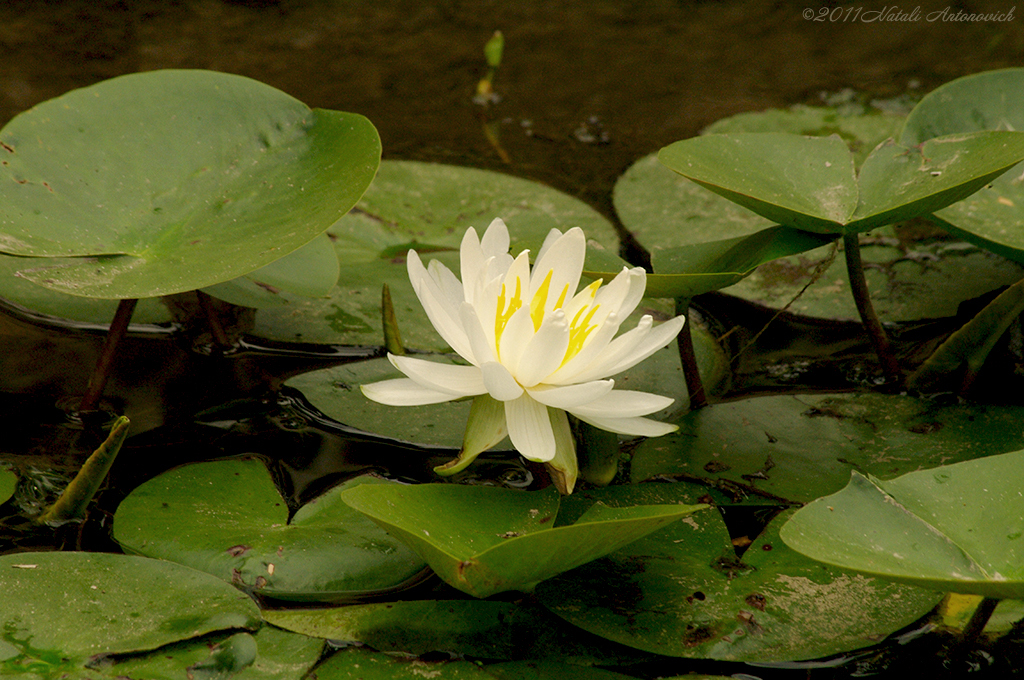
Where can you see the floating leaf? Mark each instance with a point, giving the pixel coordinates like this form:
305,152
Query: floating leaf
238,529
426,207
490,539
809,182
165,181
963,354
62,609
270,654
682,591
801,447
367,664
8,483
993,100
310,271
955,528
478,628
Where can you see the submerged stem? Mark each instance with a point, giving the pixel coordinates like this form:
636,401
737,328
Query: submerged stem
979,619
98,379
861,296
688,359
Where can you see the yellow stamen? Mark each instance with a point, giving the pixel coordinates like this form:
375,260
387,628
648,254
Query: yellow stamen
579,330
502,315
537,303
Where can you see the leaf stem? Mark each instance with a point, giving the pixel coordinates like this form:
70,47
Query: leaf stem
978,620
100,373
688,359
861,296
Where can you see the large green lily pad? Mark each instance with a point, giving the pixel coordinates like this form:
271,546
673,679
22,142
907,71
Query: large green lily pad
993,100
486,629
799,448
63,609
227,518
367,664
683,592
957,528
809,182
488,540
166,181
426,207
270,654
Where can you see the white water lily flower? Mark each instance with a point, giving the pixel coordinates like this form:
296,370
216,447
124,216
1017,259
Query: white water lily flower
537,349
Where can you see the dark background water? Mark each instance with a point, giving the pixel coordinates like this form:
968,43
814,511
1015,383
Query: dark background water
587,86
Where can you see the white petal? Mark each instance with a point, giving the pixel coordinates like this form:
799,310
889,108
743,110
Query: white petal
529,428
552,236
564,258
479,343
443,315
516,336
571,396
612,353
594,345
499,382
622,294
622,404
447,283
544,352
495,240
641,427
659,337
471,262
459,381
403,392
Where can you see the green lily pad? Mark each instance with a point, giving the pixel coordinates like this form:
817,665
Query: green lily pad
166,181
32,299
426,207
683,592
909,280
992,217
270,654
489,540
8,483
227,518
335,392
310,271
799,448
954,528
809,182
478,628
63,609
367,664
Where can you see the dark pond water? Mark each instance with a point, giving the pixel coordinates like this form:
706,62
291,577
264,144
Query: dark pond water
586,88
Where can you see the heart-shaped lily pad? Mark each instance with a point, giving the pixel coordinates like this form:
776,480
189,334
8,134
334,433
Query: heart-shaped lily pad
682,591
485,540
227,518
63,609
427,207
956,528
801,447
165,181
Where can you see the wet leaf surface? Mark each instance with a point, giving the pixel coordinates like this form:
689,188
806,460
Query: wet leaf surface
227,518
489,540
801,447
957,528
146,214
683,591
